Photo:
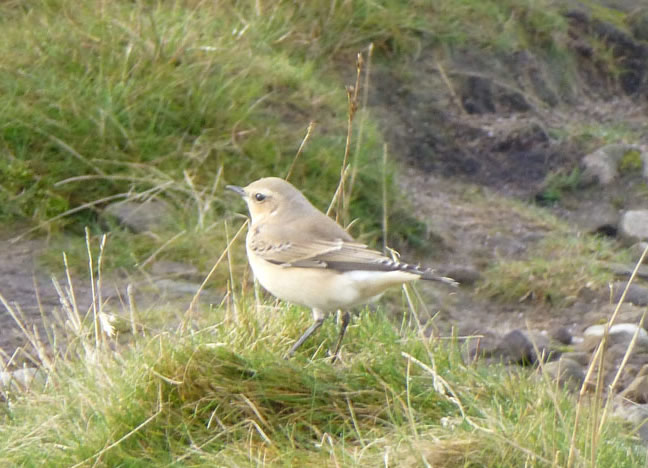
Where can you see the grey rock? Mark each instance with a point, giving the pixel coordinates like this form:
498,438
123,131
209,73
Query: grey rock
580,357
596,217
635,414
567,372
637,295
515,347
620,269
165,268
637,251
561,335
637,391
633,226
483,344
150,215
21,379
178,288
601,165
619,333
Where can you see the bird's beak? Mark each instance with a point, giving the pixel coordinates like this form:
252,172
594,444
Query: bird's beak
237,189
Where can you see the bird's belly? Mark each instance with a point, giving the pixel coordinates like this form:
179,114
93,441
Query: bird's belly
324,289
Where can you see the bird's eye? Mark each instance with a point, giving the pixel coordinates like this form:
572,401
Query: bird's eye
259,197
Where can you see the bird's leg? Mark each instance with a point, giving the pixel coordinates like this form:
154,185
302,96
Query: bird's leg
319,317
346,318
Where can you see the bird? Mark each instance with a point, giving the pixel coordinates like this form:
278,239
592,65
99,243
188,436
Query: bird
302,256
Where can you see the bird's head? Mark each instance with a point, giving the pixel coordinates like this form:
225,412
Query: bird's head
271,196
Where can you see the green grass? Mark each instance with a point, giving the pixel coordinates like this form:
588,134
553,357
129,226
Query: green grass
111,100
555,269
106,100
224,395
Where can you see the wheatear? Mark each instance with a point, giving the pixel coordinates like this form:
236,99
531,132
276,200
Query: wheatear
302,256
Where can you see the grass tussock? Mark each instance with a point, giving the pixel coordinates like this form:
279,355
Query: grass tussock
225,395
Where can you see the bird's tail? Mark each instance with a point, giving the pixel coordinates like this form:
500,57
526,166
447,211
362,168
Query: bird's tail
430,276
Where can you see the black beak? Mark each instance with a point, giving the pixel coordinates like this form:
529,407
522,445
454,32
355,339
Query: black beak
237,189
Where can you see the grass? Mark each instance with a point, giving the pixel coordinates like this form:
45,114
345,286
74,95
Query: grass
555,270
111,100
105,101
224,395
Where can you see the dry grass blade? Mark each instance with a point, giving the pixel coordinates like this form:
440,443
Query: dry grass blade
352,107
309,130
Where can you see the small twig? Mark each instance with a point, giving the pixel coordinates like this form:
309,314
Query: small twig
352,102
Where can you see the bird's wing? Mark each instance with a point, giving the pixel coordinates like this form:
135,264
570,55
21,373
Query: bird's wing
337,255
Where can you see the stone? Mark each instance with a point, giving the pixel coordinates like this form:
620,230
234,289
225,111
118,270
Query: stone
633,226
602,165
620,333
579,356
597,217
150,215
637,391
21,379
561,335
165,268
637,251
483,345
635,414
637,295
567,372
515,347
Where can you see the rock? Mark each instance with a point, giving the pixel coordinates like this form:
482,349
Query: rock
635,414
596,217
483,346
567,372
620,269
515,347
178,288
580,357
164,268
21,379
587,294
637,391
637,295
602,165
637,251
150,215
633,226
620,333
561,335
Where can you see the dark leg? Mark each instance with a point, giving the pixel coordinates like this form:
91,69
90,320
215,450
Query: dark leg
346,318
319,319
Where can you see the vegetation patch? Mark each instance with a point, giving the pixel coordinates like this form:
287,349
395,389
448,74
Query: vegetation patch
225,395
